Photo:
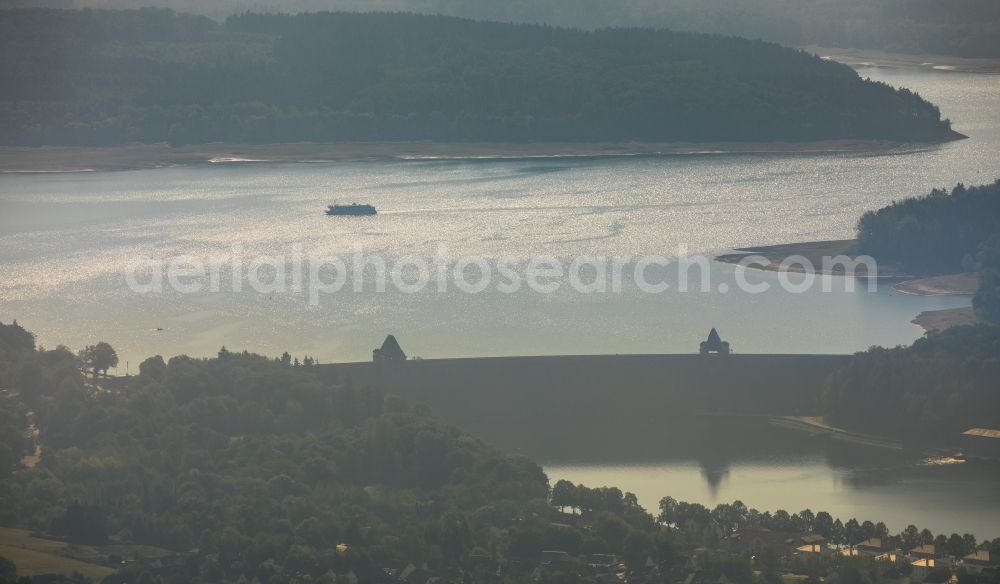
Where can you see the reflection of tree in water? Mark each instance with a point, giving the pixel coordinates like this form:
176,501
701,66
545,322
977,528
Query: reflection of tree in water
862,466
714,469
846,456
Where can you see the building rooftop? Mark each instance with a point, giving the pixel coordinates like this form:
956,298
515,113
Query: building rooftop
390,351
981,557
982,432
714,344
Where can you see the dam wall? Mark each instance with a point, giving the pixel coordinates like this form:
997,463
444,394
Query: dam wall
513,401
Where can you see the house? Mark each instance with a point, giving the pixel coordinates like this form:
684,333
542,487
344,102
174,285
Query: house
714,344
871,547
981,443
812,548
812,543
924,551
390,352
975,563
812,538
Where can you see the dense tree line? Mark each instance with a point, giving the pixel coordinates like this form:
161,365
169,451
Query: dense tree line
732,517
272,469
248,460
279,470
718,526
939,233
961,27
932,391
987,299
112,77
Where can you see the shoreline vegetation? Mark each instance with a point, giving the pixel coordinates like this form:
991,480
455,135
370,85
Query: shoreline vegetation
36,555
870,58
48,159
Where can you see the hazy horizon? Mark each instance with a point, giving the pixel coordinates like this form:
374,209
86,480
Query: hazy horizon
911,26
419,298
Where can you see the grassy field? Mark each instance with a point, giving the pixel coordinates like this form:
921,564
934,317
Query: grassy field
35,556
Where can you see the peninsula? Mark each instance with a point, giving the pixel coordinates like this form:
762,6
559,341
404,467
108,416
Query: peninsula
942,243
153,76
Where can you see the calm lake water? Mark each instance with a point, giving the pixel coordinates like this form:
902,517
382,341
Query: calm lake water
946,499
66,239
718,460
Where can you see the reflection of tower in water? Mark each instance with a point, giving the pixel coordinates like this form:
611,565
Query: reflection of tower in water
714,469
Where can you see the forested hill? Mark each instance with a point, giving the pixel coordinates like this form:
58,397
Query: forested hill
970,28
112,77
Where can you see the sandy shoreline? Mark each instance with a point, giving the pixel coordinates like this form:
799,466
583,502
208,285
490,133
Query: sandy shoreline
816,252
943,285
934,321
144,156
815,426
863,58
946,285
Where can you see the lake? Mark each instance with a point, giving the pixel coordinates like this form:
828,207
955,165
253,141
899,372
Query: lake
66,241
719,460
